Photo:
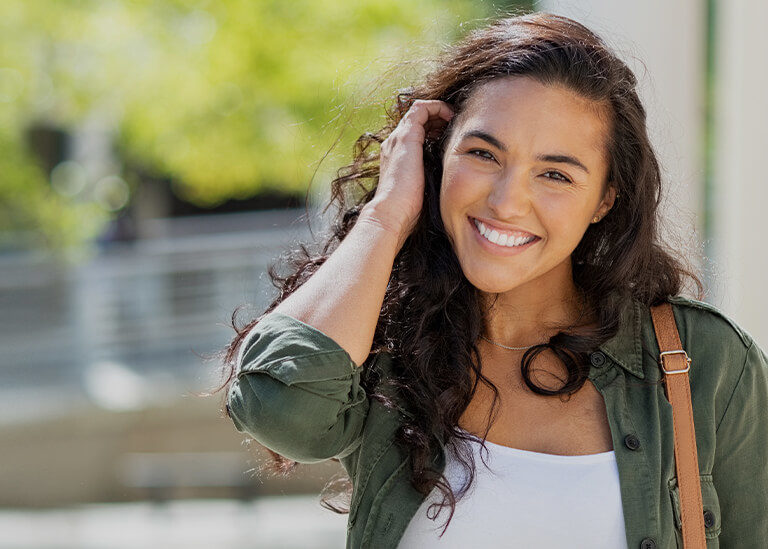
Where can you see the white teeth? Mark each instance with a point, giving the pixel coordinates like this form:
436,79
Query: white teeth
501,239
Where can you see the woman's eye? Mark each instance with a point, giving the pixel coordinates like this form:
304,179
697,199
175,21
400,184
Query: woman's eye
560,177
490,157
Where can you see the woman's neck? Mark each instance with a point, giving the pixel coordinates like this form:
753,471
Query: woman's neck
526,317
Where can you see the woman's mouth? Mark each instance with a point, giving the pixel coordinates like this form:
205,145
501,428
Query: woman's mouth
501,243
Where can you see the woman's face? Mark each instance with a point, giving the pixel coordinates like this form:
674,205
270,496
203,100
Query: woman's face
531,159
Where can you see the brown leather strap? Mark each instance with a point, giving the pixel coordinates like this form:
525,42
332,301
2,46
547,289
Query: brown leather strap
675,364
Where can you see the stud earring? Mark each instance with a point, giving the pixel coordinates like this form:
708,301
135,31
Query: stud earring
595,219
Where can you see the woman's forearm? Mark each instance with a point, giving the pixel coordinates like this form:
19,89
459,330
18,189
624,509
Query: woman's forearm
343,298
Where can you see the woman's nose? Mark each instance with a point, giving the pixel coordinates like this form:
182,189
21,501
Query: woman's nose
510,196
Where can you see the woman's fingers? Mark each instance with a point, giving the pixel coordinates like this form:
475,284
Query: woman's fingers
423,109
427,115
400,190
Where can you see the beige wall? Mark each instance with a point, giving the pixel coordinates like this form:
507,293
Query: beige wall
741,182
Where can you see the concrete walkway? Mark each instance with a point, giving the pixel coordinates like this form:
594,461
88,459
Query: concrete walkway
284,522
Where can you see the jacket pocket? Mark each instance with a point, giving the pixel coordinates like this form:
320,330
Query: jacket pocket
711,509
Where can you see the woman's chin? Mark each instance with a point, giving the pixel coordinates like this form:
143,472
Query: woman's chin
488,283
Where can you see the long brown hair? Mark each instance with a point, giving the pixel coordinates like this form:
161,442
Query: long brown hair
432,316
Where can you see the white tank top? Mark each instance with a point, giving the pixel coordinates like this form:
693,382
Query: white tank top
526,499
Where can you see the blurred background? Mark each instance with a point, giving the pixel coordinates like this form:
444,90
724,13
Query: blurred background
157,156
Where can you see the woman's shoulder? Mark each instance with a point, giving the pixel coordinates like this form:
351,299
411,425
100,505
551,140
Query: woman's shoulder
709,335
706,322
721,348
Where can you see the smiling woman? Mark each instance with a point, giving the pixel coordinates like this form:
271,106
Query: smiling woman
531,183
493,283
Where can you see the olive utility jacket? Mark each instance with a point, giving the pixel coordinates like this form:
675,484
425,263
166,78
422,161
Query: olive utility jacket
298,393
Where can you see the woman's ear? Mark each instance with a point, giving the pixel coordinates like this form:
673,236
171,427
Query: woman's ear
609,198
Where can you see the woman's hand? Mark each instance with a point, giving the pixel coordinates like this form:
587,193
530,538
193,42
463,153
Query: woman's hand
400,192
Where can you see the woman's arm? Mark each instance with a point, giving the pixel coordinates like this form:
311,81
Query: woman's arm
343,298
297,389
297,392
740,470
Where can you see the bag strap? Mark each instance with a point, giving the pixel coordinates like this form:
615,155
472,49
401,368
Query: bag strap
675,363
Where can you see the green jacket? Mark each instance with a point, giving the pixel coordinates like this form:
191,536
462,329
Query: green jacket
298,393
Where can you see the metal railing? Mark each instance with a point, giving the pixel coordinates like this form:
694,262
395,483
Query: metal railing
126,325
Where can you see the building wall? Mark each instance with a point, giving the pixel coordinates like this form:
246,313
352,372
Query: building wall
740,192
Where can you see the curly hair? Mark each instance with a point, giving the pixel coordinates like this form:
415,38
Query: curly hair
432,316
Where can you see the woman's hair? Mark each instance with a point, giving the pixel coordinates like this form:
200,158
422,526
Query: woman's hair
432,316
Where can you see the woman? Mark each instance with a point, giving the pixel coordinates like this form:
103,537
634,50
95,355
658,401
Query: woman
505,256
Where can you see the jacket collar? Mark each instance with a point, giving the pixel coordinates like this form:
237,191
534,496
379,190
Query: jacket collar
625,348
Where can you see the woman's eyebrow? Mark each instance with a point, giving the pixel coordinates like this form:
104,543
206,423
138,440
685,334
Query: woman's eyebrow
485,137
562,159
557,157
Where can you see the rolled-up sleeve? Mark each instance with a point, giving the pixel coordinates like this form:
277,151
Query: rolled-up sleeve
297,391
740,470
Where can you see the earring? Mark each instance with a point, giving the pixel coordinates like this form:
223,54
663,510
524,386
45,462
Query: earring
595,219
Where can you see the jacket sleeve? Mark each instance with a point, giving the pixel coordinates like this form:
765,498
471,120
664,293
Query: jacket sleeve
740,471
297,392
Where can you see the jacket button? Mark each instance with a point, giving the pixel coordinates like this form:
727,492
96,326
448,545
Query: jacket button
648,543
632,442
597,359
709,518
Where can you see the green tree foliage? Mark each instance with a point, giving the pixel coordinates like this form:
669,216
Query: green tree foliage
225,98
247,95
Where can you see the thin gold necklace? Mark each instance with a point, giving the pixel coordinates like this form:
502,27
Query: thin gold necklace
507,347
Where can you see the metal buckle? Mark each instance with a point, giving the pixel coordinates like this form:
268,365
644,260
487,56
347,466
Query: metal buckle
687,358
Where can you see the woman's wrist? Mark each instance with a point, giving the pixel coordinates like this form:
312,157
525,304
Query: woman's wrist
377,215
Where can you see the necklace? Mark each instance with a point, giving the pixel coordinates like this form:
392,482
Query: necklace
511,348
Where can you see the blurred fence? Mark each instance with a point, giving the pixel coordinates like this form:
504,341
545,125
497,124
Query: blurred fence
100,361
125,326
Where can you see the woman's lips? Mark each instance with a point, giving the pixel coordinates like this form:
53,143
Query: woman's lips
497,249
